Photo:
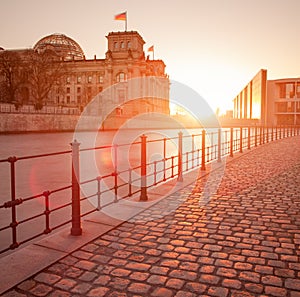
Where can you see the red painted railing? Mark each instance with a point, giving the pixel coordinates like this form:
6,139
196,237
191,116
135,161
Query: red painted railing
193,151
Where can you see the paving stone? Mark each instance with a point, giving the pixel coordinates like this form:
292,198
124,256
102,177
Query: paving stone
272,280
226,272
207,269
65,284
26,285
86,265
139,276
255,288
102,280
139,288
289,273
98,292
275,291
292,283
162,292
195,287
47,278
73,272
138,266
185,294
81,288
232,283
159,270
249,276
209,279
119,283
157,280
59,293
41,290
183,274
218,291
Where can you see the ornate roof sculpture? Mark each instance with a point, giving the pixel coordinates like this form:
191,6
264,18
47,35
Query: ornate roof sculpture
63,45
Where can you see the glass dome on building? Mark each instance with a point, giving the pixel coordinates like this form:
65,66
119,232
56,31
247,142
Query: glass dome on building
63,45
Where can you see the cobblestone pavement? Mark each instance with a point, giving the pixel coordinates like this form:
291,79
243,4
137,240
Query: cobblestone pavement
243,241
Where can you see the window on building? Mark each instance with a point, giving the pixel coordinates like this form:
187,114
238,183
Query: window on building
115,45
89,79
100,79
282,91
78,89
89,90
78,79
68,80
100,89
78,99
119,111
122,44
129,44
297,90
68,90
121,77
68,99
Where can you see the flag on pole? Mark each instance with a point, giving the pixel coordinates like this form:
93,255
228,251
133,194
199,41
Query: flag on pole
121,16
151,49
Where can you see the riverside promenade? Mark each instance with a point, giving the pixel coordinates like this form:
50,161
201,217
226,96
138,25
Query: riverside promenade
243,240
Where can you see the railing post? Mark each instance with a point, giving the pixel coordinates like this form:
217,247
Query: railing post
255,140
115,174
231,142
14,222
294,130
260,135
279,132
249,138
219,145
180,179
267,134
193,149
272,132
203,151
165,157
47,212
143,196
76,213
241,139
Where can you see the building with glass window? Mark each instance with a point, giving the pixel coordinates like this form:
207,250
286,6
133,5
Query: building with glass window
269,102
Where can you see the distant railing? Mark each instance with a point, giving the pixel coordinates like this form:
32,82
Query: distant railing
117,183
30,109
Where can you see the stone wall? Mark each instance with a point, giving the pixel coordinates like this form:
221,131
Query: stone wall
14,123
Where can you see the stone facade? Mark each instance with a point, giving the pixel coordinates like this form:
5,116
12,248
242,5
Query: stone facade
126,82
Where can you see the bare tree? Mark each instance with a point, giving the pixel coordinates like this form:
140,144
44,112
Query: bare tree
46,70
11,77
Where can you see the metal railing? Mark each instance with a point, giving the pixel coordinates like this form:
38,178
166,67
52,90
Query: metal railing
176,156
47,109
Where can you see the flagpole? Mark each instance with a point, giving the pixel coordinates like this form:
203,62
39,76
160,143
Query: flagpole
126,21
153,54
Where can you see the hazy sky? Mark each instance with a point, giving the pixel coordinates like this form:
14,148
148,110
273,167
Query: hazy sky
213,46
